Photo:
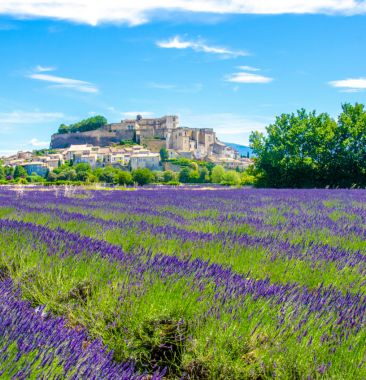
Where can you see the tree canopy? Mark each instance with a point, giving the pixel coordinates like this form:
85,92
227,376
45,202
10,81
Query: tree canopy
305,149
89,124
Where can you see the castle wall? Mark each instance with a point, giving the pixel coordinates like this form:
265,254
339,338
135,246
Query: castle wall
152,144
99,137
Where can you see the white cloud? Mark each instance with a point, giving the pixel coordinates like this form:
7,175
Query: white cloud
38,144
94,12
350,85
178,43
247,76
248,68
183,89
9,120
42,69
22,117
62,82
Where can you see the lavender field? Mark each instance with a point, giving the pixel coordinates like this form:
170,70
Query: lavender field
182,284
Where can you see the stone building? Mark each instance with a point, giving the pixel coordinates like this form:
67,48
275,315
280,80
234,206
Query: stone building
198,141
147,128
145,160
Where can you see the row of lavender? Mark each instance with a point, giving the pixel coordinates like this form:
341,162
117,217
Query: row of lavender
324,320
34,342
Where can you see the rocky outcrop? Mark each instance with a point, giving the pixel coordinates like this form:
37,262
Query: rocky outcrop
99,137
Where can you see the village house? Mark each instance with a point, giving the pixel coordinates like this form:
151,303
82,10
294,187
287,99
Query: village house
145,160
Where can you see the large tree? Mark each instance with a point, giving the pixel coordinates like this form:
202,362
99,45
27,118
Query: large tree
305,149
348,164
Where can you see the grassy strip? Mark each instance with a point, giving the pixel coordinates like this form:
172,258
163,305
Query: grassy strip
256,260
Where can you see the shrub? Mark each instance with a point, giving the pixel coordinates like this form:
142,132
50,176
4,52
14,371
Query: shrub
231,178
142,176
124,178
217,174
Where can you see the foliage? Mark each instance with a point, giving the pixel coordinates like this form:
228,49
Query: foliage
231,178
19,172
247,179
42,152
89,124
184,175
127,143
310,150
142,176
169,176
164,155
108,175
124,178
34,178
217,174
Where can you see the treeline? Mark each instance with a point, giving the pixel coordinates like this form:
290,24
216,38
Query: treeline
85,125
306,149
83,174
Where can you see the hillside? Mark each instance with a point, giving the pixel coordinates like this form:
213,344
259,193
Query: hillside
242,149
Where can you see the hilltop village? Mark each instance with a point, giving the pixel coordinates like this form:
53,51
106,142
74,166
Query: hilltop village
152,143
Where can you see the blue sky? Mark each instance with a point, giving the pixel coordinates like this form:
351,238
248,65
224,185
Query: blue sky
230,65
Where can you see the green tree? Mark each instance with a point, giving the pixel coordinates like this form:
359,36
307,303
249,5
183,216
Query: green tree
164,155
194,176
142,176
63,128
231,178
217,174
68,174
169,176
108,175
51,177
2,173
247,178
82,167
124,178
296,150
204,175
184,175
19,172
9,172
83,176
348,164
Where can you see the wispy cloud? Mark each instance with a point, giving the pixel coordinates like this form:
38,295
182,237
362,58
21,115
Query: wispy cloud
178,42
14,119
141,11
248,68
350,85
23,117
62,82
42,69
247,76
38,143
193,88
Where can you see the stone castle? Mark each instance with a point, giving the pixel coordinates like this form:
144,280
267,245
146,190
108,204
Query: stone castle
154,133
